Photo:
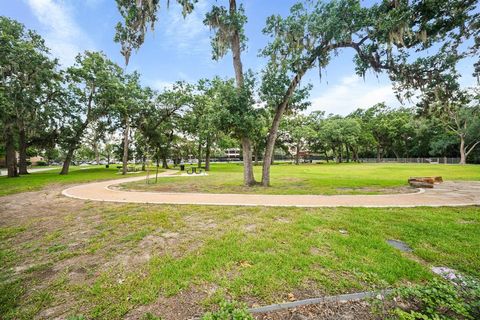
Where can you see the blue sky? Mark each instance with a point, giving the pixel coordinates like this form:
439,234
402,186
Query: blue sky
179,49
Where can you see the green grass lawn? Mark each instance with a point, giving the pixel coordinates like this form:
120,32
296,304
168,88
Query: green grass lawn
313,178
61,257
39,180
103,260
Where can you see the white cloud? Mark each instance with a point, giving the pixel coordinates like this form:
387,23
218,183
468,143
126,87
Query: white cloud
93,3
62,34
187,35
160,85
353,93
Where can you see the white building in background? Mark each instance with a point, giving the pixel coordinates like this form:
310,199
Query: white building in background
232,153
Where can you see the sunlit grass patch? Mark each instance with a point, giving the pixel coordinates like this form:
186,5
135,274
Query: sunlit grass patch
109,259
346,178
38,180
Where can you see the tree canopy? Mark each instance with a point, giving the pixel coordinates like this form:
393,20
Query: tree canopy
94,105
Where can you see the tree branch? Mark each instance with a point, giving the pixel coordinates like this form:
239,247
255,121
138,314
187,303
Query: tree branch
471,148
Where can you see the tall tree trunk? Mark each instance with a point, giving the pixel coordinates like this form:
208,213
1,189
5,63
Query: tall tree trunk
125,146
68,160
397,156
248,177
273,132
378,154
338,155
463,156
73,146
10,157
156,172
297,154
348,153
97,153
207,155
199,151
334,154
164,161
22,151
269,148
144,159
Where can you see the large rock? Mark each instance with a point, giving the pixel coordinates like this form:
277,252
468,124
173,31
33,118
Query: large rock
424,182
420,184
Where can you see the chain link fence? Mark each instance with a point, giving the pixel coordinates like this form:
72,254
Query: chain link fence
431,160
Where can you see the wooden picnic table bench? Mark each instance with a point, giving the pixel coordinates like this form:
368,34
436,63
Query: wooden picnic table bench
193,170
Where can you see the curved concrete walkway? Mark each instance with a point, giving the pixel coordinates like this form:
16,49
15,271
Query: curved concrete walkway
445,194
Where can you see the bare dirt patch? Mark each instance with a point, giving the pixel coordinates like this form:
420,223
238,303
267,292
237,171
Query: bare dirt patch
70,241
282,220
184,305
354,310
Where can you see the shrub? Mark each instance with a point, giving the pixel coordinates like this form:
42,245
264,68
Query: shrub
41,163
229,311
438,299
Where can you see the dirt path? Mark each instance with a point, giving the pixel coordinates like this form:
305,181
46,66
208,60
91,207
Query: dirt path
446,194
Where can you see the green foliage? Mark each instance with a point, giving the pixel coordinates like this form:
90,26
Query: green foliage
228,26
229,311
456,108
160,120
30,88
311,32
238,115
390,129
415,26
275,82
93,83
386,36
337,132
137,17
41,163
440,300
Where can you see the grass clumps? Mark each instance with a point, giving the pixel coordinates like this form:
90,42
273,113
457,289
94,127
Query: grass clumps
229,311
438,299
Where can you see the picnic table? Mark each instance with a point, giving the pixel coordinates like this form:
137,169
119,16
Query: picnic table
193,170
130,168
